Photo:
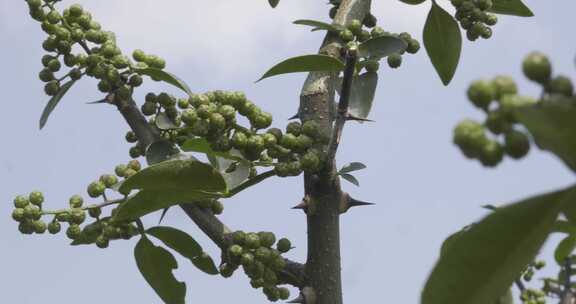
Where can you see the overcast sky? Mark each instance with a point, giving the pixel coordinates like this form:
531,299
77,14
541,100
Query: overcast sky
423,187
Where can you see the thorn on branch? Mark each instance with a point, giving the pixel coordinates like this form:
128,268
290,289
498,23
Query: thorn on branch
348,202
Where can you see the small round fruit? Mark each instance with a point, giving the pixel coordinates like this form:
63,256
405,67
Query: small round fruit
26,227
21,201
413,46
267,239
73,231
496,122
235,250
310,162
294,128
395,60
39,227
95,212
239,140
54,227
561,85
95,189
238,237
481,93
537,67
284,245
247,259
491,153
355,26
102,242
18,214
76,201
516,144
346,35
52,88
504,85
252,241
217,207
134,165
32,212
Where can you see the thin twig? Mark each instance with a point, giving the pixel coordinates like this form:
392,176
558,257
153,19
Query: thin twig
342,115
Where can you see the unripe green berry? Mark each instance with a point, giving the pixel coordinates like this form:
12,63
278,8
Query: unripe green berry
18,214
95,212
537,67
491,19
135,152
32,212
26,227
46,75
134,165
491,153
267,239
76,201
95,189
238,237
149,108
239,140
346,35
516,144
252,241
561,85
355,26
109,180
394,60
217,207
52,88
294,128
73,231
247,259
120,170
54,227
304,142
481,93
372,66
77,216
75,74
283,293
504,85
284,245
262,120
413,46
102,242
39,227
139,55
135,81
21,201
235,250
310,162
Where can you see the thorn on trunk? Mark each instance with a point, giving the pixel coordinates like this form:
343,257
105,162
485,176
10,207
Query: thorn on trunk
348,202
303,205
350,116
295,116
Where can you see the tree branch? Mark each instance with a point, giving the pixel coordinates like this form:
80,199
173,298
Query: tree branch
323,269
207,222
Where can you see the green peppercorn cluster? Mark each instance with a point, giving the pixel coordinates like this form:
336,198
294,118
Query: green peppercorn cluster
474,17
261,262
533,296
497,98
100,57
29,212
214,116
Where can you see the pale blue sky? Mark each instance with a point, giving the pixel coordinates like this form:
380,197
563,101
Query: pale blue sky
423,186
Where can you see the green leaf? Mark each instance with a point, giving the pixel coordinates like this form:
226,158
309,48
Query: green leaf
381,47
413,2
350,178
506,298
200,145
273,3
443,42
160,75
362,94
351,167
156,265
319,25
178,240
511,7
147,201
159,151
482,262
53,102
564,249
553,126
306,63
236,177
178,176
163,122
205,263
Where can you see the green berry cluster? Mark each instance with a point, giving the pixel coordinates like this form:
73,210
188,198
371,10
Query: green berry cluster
214,115
259,260
538,68
533,296
102,59
497,98
474,17
369,20
395,60
28,212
